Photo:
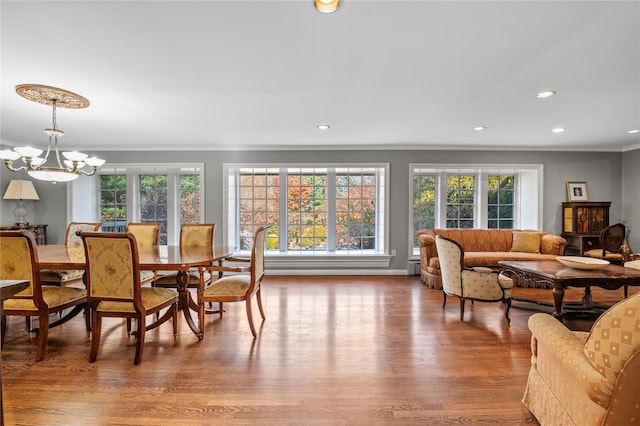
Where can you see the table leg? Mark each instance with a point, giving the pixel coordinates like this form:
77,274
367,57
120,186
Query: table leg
558,295
182,280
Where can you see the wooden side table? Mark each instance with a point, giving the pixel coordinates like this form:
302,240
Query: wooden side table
7,289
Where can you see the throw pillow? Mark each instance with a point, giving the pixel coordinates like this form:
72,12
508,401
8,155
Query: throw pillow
527,242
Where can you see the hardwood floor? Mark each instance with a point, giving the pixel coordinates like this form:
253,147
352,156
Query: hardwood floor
333,350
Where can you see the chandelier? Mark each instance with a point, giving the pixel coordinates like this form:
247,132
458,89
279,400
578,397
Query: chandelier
36,166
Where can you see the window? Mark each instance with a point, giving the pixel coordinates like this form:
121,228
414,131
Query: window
169,195
501,202
451,196
325,210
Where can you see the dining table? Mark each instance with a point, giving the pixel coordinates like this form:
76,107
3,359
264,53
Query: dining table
152,258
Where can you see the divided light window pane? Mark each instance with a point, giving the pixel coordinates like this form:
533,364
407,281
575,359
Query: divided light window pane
113,202
311,210
153,202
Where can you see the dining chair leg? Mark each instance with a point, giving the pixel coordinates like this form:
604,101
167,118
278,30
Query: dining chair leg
175,321
259,299
140,321
250,317
43,335
95,336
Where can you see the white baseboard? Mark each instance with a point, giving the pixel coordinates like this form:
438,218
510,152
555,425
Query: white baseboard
336,272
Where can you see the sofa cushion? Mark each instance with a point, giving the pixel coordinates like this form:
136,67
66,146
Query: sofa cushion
526,242
490,259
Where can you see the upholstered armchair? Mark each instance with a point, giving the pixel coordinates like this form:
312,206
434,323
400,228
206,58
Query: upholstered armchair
147,235
593,378
19,261
114,290
477,283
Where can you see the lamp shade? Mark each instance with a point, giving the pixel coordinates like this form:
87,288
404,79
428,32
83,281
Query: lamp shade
20,190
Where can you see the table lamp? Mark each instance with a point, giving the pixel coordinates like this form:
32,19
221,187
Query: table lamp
21,190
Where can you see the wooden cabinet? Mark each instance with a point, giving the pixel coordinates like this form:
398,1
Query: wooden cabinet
581,225
39,231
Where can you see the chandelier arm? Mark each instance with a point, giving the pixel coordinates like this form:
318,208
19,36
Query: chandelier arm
9,164
91,173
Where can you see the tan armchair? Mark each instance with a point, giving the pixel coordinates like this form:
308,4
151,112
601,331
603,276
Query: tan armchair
579,378
19,261
477,283
113,287
236,288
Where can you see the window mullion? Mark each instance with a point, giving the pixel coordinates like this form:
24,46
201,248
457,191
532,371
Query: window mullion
331,210
284,217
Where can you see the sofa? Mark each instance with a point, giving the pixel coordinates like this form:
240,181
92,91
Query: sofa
486,247
579,378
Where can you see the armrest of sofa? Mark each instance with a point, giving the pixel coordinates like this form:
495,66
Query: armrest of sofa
427,249
558,353
552,244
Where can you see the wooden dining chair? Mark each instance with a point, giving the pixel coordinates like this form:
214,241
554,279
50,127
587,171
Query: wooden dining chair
147,235
19,261
68,276
193,237
236,288
114,290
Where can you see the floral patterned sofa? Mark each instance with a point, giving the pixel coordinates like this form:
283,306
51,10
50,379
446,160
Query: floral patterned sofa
486,247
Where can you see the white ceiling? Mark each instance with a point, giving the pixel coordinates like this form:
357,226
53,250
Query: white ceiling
210,75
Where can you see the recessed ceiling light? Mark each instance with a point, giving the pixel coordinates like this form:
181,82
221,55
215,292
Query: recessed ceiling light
323,126
634,131
558,130
480,128
545,94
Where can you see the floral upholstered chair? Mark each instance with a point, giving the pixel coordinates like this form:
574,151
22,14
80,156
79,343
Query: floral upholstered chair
69,276
593,378
470,284
19,261
147,235
194,237
113,286
236,288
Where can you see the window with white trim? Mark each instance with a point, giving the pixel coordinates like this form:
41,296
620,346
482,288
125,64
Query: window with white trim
312,210
463,196
169,195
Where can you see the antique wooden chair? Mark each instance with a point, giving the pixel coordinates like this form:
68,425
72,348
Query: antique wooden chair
612,240
193,237
19,261
481,284
114,290
147,235
68,276
236,288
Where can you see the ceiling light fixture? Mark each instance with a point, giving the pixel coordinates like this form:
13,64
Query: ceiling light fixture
545,94
633,131
323,126
480,128
558,130
36,166
326,6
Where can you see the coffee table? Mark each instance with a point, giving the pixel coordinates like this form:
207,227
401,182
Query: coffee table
559,277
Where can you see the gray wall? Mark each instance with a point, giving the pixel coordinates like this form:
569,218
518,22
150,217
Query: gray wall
602,171
631,196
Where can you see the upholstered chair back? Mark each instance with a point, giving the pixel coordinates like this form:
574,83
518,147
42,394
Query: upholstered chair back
111,273
196,235
16,259
147,234
614,338
258,254
451,258
72,239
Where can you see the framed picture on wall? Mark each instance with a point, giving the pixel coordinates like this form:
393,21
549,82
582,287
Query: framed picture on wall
577,191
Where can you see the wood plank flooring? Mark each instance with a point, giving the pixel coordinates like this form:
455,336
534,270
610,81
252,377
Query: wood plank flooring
333,351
